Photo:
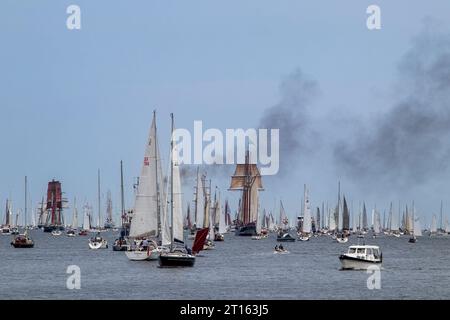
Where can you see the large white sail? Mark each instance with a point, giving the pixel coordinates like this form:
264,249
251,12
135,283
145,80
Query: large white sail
376,222
332,219
306,213
433,227
222,224
283,218
145,214
177,198
75,216
447,227
259,224
86,221
417,227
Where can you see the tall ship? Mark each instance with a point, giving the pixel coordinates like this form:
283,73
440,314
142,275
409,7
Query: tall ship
54,217
109,223
247,179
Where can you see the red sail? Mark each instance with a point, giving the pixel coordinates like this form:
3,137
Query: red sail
199,241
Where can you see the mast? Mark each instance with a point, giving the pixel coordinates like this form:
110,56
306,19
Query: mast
440,223
171,185
196,200
25,201
338,206
122,197
158,208
99,204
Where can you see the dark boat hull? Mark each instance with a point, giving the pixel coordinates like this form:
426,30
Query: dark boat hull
52,228
246,231
176,261
22,245
120,248
285,238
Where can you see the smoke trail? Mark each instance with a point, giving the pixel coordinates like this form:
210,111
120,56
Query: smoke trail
291,116
411,142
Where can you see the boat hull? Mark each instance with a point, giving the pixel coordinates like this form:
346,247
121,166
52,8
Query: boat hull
350,263
285,238
176,260
98,245
22,245
246,231
342,240
122,247
142,255
53,228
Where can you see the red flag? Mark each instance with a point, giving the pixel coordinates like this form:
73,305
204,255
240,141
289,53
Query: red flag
199,241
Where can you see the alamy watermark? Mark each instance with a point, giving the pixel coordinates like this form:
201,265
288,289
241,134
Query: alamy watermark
374,280
74,280
214,147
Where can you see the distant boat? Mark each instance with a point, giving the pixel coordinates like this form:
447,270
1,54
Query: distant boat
285,237
305,233
247,179
71,233
98,242
56,232
121,244
22,241
54,207
177,256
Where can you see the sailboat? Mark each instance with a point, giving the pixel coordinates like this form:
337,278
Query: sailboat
259,234
6,228
305,233
72,231
283,227
247,179
177,256
121,244
109,223
23,240
54,207
222,228
376,223
86,221
433,228
147,221
416,228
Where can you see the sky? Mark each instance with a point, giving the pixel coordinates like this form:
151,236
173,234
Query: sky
75,101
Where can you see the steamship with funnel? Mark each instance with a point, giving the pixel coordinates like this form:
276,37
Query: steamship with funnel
247,179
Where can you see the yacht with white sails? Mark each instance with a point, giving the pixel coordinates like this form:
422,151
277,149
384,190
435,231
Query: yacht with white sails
147,220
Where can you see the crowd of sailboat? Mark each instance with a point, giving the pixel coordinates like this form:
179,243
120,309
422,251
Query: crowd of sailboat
156,228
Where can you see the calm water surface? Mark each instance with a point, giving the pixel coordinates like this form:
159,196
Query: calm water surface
238,268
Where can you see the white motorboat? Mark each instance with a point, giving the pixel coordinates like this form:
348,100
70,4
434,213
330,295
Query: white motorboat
361,257
98,243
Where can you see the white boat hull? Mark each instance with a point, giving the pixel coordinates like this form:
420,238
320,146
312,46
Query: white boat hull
280,252
98,245
143,255
342,240
357,264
